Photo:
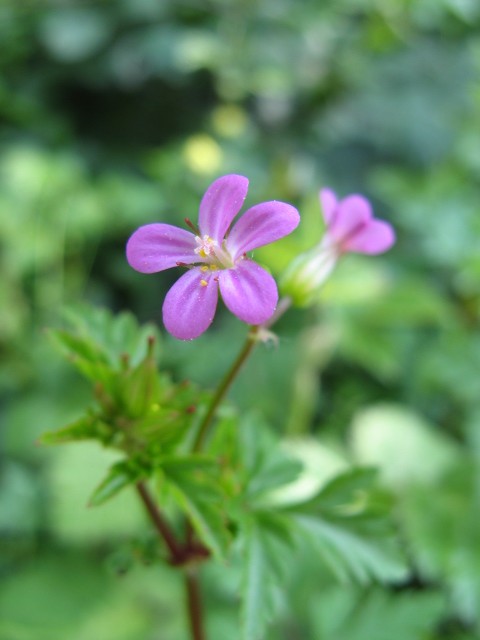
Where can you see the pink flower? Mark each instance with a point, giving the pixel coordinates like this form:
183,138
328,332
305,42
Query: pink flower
216,258
352,227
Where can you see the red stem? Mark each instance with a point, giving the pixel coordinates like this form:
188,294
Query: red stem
176,552
194,603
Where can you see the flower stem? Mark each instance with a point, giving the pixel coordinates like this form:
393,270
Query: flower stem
224,386
194,604
253,337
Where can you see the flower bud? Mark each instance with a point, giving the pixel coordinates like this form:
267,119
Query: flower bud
305,276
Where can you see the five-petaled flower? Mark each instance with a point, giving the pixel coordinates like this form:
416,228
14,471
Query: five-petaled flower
350,227
216,258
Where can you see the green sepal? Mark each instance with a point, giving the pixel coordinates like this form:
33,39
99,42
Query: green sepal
139,387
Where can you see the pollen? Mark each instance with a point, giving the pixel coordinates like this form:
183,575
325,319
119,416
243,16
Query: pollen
203,283
204,268
213,267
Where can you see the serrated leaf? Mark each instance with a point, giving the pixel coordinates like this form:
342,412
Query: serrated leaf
268,467
274,473
408,615
255,587
117,334
266,540
200,498
349,524
85,428
120,476
351,555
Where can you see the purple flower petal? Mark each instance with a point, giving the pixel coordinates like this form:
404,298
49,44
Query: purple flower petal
260,225
352,213
222,201
376,236
249,292
329,203
189,306
155,247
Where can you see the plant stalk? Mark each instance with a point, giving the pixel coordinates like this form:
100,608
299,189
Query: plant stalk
224,386
252,340
194,604
161,525
178,552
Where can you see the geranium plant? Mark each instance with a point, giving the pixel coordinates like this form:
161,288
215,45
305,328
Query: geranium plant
217,485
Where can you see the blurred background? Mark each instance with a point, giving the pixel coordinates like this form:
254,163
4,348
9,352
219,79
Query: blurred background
116,113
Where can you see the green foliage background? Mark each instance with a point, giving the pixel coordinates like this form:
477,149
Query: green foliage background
116,113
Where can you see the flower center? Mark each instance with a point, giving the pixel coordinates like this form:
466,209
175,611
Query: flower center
214,255
206,246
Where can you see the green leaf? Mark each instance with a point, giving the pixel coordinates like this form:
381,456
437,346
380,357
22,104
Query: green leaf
268,466
85,428
197,493
266,540
350,554
349,523
120,476
365,614
87,356
116,335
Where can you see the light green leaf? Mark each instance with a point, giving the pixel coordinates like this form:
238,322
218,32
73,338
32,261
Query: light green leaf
268,467
350,554
266,541
86,428
199,496
349,523
120,476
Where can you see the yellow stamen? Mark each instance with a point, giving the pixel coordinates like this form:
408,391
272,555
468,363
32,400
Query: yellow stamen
203,283
204,268
213,267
